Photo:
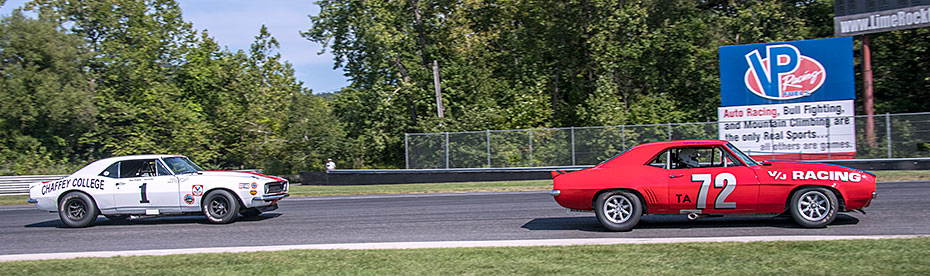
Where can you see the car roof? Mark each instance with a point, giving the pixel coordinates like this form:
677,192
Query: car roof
645,152
98,166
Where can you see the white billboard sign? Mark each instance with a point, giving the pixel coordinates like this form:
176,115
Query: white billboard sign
827,127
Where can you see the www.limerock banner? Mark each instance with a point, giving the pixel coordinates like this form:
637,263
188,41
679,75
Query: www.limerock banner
882,21
789,100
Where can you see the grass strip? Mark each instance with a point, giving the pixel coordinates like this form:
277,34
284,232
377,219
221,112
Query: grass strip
464,187
849,257
902,175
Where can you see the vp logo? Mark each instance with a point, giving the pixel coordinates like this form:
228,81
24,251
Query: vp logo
783,74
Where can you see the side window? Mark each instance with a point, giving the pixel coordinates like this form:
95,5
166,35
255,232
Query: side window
660,161
137,168
696,157
111,171
161,169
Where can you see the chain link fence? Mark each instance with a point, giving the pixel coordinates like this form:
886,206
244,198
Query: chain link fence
893,136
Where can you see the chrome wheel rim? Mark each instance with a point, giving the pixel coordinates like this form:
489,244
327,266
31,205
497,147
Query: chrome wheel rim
814,206
618,209
218,207
76,209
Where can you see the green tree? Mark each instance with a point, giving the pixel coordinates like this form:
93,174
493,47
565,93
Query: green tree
137,47
48,108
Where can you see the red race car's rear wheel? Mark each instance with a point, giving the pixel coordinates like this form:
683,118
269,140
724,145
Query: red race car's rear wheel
618,210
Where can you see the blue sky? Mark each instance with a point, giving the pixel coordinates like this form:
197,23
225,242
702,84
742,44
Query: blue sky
235,23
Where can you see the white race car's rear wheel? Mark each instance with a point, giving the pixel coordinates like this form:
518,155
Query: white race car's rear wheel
220,206
813,207
77,210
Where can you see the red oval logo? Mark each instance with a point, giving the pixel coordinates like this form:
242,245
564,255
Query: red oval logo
803,81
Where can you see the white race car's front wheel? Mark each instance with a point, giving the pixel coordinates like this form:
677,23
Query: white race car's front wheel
77,209
220,206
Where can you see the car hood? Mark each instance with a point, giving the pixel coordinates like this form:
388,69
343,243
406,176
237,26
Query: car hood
241,174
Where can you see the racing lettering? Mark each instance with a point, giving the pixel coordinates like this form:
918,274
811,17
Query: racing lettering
826,175
89,183
54,186
686,199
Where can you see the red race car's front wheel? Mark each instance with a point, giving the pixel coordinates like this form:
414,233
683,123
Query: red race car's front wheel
618,210
813,207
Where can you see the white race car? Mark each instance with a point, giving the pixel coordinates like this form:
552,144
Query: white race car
151,185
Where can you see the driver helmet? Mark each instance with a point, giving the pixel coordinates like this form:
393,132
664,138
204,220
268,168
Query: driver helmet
688,157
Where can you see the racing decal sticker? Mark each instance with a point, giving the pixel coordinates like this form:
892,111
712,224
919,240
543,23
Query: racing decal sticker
188,199
254,185
89,183
727,181
197,190
818,175
253,192
826,175
244,186
777,175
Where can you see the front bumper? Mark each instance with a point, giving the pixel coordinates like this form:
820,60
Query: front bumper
267,198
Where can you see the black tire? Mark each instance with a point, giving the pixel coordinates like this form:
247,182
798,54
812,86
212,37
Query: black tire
608,214
117,218
251,212
77,210
808,210
220,206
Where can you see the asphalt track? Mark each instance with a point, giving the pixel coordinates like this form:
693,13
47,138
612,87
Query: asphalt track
901,209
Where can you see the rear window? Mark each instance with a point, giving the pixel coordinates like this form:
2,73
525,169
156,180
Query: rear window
111,171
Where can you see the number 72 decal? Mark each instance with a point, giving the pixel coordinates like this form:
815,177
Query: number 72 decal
724,180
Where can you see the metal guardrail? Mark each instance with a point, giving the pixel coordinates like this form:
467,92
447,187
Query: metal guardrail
19,185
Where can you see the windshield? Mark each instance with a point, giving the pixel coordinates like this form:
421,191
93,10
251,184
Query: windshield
182,165
742,156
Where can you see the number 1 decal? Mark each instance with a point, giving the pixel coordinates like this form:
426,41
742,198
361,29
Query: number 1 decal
724,180
144,198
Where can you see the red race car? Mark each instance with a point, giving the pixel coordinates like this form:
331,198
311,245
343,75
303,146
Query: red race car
708,178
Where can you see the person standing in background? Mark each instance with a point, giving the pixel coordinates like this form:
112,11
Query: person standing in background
330,165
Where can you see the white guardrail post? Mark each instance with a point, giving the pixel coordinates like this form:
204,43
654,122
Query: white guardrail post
406,151
573,146
487,137
19,185
888,132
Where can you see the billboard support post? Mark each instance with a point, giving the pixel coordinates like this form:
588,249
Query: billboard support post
868,99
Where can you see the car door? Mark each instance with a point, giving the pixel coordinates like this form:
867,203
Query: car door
146,186
709,179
